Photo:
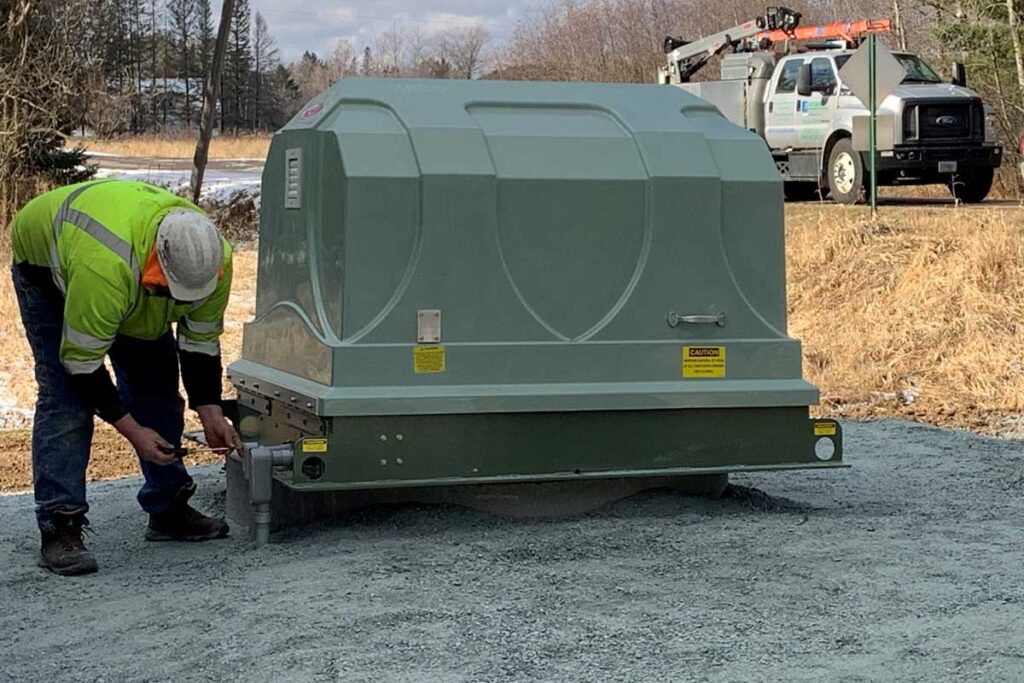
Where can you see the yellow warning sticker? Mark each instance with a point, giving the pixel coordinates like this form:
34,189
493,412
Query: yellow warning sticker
824,428
428,359
314,445
704,362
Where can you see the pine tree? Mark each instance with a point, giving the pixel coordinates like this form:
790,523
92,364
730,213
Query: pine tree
980,34
154,39
182,14
206,37
238,67
138,39
116,58
283,99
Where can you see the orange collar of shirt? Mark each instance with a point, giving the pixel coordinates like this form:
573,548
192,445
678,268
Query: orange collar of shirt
153,274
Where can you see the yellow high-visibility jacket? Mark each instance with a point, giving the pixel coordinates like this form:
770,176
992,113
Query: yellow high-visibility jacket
96,238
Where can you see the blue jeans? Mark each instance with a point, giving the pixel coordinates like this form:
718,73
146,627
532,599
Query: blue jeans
147,380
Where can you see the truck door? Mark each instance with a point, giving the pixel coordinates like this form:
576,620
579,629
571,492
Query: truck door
781,116
816,111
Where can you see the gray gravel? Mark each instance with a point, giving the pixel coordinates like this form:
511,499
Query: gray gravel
907,567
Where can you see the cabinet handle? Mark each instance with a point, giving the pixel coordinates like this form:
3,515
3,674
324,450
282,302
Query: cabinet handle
677,319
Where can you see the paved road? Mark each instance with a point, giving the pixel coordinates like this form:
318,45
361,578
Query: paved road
172,164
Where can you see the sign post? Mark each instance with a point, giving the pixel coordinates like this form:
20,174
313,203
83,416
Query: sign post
873,107
871,74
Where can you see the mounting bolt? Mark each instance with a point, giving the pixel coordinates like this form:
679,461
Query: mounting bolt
277,393
292,399
383,462
398,437
383,437
309,405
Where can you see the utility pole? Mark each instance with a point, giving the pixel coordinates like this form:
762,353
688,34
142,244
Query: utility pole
210,101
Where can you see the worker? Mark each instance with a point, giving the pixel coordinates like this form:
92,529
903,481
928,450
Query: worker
102,269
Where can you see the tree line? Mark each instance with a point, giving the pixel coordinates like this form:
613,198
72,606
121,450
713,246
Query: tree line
150,58
137,66
620,40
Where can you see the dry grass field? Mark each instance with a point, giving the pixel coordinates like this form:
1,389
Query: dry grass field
228,147
916,315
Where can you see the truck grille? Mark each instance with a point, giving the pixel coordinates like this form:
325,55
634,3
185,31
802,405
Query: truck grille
944,121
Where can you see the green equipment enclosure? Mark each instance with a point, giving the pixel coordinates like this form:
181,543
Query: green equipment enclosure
467,282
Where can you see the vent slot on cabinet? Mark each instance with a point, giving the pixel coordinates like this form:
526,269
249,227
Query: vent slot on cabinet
293,178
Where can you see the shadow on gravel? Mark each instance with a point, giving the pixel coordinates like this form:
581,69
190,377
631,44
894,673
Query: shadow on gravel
757,500
423,519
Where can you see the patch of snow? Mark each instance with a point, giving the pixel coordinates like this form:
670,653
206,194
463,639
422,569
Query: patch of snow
218,186
11,416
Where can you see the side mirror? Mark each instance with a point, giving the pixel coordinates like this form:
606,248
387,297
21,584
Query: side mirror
803,81
959,74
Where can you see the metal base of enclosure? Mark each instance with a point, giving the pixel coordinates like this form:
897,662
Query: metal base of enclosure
524,464
290,508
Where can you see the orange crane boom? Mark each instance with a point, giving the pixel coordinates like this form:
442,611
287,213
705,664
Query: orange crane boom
848,30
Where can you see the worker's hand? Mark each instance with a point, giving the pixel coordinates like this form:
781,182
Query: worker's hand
153,447
147,443
219,432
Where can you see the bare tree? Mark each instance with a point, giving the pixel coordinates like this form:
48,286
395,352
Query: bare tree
44,65
264,53
390,49
463,48
342,63
897,18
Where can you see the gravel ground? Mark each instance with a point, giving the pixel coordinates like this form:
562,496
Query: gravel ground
907,567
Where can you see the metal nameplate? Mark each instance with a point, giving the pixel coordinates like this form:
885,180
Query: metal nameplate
428,326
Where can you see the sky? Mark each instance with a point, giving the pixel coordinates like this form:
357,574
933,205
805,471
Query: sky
316,25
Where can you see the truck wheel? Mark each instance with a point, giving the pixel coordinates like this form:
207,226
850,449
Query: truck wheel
845,173
801,192
972,187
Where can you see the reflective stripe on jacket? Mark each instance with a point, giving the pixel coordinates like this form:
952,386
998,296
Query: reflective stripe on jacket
95,237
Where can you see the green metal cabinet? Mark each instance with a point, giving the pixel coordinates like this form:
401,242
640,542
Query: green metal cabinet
482,281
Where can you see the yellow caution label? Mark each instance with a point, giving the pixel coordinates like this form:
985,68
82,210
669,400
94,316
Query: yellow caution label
824,428
314,445
704,362
427,359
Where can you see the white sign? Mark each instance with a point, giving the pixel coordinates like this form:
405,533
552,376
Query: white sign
888,74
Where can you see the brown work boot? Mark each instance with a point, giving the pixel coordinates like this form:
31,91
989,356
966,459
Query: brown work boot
182,522
63,550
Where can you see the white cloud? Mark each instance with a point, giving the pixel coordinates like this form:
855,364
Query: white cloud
317,25
441,21
342,15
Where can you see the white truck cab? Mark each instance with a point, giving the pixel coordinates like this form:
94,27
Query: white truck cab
800,106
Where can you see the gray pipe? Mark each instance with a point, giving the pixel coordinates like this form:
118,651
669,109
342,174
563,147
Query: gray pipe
261,517
260,462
